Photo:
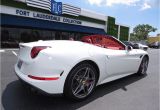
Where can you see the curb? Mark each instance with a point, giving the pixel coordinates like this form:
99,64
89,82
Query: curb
2,50
9,49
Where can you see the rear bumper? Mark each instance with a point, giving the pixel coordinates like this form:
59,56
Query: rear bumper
37,90
51,87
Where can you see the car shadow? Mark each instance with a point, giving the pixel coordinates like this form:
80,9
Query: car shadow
15,97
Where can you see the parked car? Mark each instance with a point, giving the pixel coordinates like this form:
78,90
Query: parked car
9,44
154,45
141,46
75,68
131,44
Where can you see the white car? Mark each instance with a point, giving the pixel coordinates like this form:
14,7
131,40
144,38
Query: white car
141,46
75,68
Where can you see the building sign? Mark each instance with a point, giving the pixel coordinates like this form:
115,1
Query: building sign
56,7
38,15
48,17
7,10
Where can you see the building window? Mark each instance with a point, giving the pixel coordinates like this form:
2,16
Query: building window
12,36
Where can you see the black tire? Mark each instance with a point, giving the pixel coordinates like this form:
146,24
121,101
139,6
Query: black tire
143,66
80,82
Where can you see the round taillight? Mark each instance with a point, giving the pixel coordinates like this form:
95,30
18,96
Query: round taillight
36,50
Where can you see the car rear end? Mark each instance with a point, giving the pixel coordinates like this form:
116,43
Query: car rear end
37,68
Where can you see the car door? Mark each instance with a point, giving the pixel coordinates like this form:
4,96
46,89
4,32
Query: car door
122,62
119,60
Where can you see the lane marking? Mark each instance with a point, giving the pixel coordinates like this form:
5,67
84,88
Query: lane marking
14,53
12,49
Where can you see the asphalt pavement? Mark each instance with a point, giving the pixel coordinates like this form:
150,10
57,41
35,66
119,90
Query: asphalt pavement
129,93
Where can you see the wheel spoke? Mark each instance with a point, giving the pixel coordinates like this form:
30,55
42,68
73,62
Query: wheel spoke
90,81
77,78
78,89
85,90
86,74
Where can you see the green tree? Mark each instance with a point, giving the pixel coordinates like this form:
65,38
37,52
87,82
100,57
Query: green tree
133,37
141,31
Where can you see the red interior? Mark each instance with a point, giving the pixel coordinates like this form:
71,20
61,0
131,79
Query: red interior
104,41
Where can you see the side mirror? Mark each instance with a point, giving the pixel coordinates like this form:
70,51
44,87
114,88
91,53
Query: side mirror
129,48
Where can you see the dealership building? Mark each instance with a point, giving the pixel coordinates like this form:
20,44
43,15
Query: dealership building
31,20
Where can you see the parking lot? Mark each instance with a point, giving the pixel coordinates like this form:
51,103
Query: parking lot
129,93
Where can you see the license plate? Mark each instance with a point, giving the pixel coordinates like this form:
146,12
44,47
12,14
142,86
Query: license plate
20,64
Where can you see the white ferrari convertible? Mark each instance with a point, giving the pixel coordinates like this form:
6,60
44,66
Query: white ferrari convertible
75,68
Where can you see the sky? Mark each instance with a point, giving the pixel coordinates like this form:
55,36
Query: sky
129,12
